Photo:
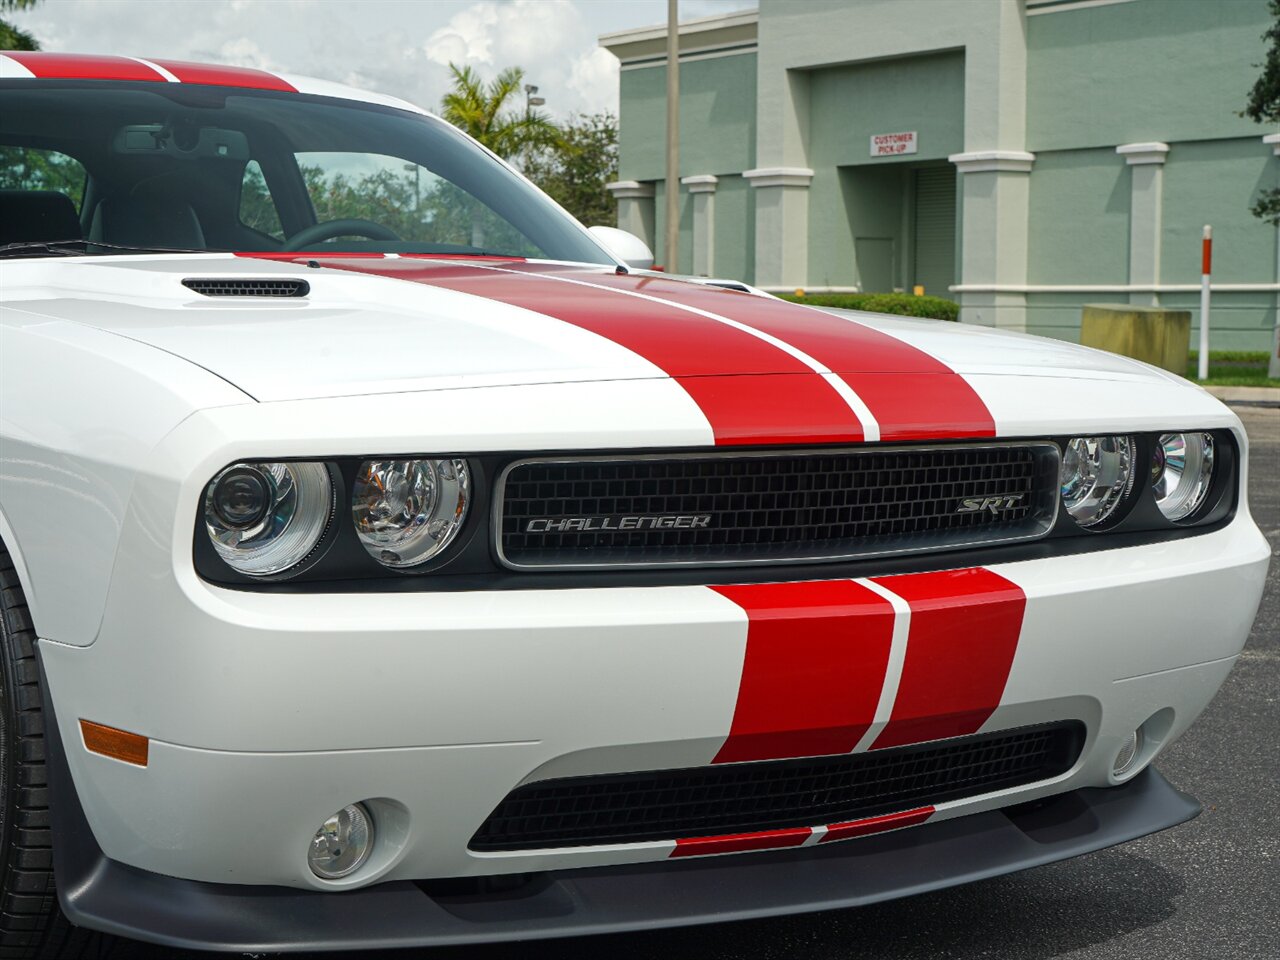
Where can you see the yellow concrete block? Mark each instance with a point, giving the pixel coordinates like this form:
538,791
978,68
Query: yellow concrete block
1151,334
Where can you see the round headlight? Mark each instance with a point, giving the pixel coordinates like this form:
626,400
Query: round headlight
264,518
1181,473
407,511
1097,475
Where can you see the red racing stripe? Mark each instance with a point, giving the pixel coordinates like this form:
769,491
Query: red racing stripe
864,828
913,395
750,391
225,76
964,633
816,659
74,66
739,842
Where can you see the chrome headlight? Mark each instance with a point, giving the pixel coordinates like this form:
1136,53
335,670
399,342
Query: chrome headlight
1181,473
264,518
407,511
1097,476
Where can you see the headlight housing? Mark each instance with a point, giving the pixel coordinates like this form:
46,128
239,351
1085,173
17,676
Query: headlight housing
1182,467
266,518
1097,477
408,511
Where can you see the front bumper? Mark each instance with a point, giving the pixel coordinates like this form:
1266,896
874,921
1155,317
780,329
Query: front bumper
101,894
267,712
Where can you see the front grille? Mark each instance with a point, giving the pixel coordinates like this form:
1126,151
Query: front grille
773,507
235,287
746,797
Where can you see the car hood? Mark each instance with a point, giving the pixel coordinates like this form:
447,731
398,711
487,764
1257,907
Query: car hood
378,324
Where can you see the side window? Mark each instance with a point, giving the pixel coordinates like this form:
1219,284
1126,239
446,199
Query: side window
417,204
257,209
29,168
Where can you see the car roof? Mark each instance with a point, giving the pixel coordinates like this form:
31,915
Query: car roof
44,65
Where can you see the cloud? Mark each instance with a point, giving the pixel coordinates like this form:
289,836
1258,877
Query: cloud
388,46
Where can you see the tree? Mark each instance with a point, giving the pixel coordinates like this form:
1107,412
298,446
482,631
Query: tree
1264,107
11,37
481,110
574,170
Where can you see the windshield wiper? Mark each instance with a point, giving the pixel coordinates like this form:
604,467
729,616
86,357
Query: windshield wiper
68,248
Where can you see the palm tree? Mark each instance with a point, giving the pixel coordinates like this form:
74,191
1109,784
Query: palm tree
481,110
11,37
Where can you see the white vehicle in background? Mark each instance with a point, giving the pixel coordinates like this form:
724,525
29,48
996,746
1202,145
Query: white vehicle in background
384,563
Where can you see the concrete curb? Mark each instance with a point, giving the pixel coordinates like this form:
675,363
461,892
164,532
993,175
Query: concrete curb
1253,396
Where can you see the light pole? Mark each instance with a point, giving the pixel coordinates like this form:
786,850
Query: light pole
531,98
670,254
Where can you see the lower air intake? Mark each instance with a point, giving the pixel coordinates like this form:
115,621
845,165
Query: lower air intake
747,797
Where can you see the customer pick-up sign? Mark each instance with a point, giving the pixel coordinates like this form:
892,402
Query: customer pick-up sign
893,144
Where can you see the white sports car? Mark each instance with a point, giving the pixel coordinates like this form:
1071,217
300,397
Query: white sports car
385,563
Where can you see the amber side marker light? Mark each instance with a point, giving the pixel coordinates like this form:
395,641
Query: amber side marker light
117,744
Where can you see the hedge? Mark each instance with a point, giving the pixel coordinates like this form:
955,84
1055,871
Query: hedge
903,304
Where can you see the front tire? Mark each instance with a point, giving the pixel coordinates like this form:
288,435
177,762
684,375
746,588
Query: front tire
31,925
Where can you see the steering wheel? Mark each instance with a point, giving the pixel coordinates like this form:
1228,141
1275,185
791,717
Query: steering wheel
320,232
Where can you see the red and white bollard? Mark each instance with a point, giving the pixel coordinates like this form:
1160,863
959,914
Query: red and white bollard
1206,267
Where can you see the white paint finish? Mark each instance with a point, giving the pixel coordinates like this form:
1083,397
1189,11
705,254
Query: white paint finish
897,657
630,190
778,176
1146,215
993,161
701,183
151,65
11,69
870,428
1138,154
327,88
82,411
413,337
586,685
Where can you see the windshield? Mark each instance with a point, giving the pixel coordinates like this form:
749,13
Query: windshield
112,167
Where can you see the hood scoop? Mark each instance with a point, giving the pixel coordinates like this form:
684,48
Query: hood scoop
242,287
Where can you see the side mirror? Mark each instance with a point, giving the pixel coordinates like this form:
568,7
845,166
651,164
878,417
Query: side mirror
627,247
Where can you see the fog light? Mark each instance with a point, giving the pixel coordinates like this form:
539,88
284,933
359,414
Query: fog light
342,844
1128,755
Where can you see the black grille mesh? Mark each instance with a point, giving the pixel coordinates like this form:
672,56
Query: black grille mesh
796,506
215,287
745,797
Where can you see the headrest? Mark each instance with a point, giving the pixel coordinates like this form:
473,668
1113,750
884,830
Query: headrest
37,215
156,220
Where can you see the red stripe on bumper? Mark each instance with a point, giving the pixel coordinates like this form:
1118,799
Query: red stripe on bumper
913,395
964,633
733,376
816,659
225,76
739,842
72,66
863,828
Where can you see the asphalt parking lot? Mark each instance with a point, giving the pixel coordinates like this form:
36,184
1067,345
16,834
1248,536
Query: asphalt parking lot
1208,889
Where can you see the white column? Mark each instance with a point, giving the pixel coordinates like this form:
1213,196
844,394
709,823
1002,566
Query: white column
703,190
782,225
1146,206
635,208
996,185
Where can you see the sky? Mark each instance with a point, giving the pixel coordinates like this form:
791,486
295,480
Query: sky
398,47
